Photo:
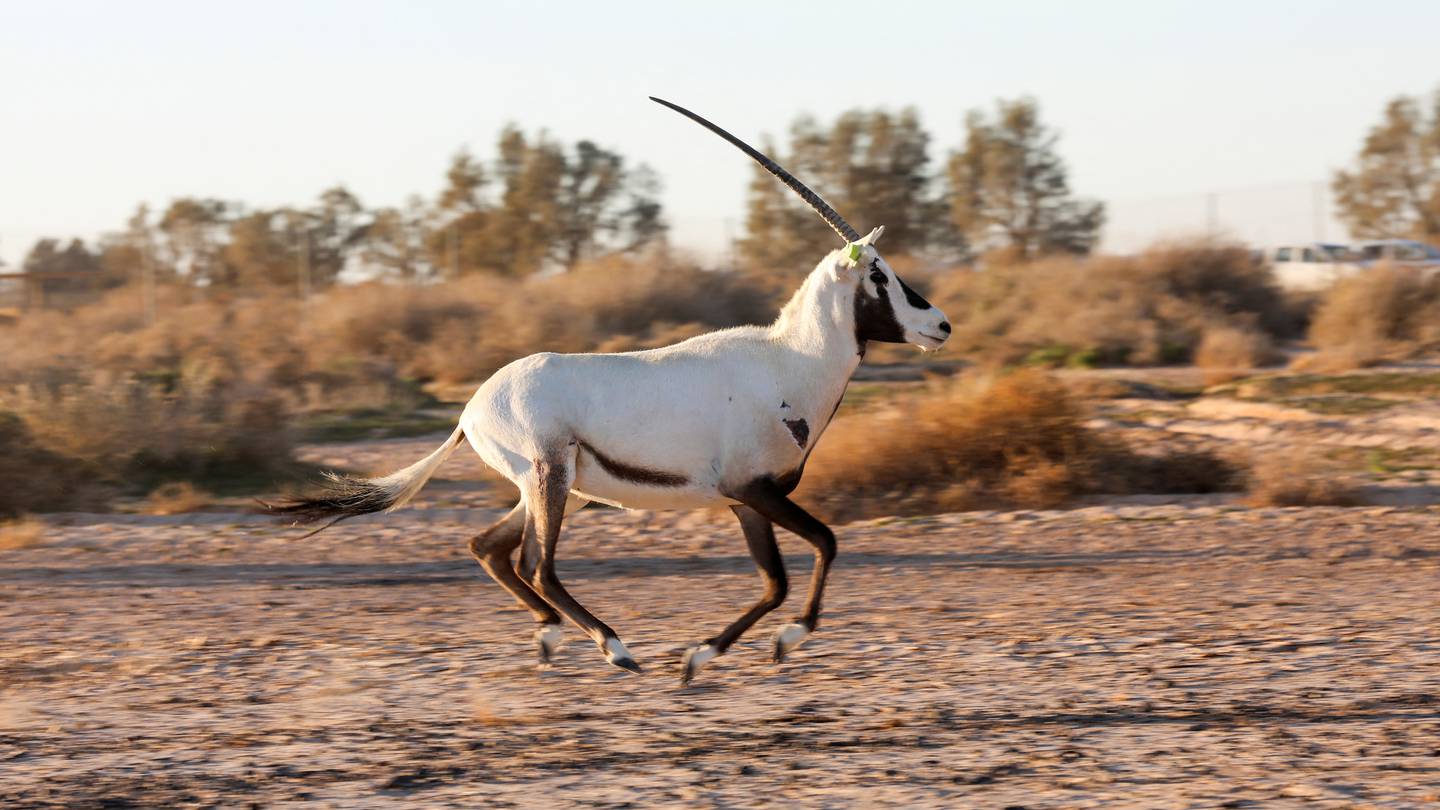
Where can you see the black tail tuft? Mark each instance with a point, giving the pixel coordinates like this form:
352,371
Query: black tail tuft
340,497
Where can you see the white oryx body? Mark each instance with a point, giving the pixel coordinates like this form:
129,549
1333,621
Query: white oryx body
726,418
718,410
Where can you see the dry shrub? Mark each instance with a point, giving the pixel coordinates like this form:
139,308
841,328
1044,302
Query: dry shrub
366,345
615,304
1299,479
207,392
1385,313
1143,310
21,534
176,498
1229,352
34,478
1019,440
82,440
463,331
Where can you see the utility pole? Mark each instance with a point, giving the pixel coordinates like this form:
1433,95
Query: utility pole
454,242
728,258
1212,213
305,274
147,282
1317,209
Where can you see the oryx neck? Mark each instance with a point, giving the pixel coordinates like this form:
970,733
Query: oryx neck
819,322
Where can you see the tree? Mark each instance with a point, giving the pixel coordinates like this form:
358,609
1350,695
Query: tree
194,231
1007,187
392,244
556,207
73,267
330,233
127,255
871,166
462,215
291,246
48,257
1394,190
263,249
464,180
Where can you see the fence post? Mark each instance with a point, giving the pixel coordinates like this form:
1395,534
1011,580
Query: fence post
147,271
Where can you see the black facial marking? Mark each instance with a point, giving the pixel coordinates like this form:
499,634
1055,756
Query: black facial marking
875,318
878,276
634,474
800,431
916,299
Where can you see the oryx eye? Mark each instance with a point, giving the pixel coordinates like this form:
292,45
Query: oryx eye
878,277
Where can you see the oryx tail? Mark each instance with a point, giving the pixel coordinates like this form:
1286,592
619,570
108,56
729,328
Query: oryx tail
342,496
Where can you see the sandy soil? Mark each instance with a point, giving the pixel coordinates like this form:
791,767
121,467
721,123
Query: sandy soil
1161,656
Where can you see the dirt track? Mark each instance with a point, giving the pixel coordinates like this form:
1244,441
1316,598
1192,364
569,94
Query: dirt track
1136,656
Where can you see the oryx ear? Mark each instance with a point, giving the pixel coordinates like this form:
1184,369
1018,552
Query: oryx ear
854,250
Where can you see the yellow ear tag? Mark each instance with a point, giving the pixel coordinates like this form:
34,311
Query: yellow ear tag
853,251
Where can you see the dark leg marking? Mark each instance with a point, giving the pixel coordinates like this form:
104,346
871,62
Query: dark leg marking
529,554
760,538
799,430
767,497
553,489
633,473
530,547
492,549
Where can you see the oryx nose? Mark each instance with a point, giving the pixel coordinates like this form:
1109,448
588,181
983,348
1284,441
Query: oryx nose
945,327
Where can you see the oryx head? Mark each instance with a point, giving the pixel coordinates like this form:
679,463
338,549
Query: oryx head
886,309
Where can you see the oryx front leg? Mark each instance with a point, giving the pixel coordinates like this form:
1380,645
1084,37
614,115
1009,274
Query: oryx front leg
493,549
760,537
546,496
766,497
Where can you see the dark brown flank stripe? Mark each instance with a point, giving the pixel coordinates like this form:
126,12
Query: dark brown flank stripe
633,474
800,430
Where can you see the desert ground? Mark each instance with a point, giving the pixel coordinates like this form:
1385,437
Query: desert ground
1151,651
1163,656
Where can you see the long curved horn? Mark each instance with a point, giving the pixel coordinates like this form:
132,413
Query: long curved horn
821,207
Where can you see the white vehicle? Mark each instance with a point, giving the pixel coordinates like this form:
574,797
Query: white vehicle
1311,266
1402,252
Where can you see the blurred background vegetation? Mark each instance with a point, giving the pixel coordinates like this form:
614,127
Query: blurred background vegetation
201,343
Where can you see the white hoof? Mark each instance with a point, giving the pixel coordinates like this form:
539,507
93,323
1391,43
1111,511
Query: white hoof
618,656
695,658
549,638
788,638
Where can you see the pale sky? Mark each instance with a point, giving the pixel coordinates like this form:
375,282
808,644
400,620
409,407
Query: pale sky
106,104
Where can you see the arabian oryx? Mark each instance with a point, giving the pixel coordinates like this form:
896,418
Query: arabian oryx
726,418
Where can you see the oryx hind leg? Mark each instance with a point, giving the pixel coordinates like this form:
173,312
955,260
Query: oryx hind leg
546,494
766,497
492,549
530,548
760,538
